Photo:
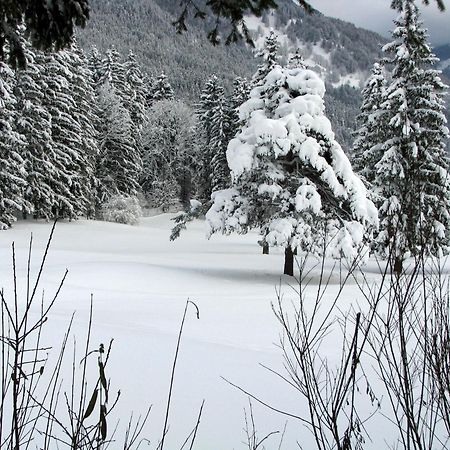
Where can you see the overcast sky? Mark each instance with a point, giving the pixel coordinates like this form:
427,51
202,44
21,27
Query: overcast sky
376,15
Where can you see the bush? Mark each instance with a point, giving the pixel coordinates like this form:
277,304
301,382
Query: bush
122,209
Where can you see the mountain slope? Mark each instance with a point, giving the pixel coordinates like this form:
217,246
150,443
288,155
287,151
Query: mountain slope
340,51
145,27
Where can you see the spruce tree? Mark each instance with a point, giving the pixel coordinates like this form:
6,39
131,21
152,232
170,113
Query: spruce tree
33,121
136,85
240,94
289,175
120,164
211,115
220,136
95,65
12,176
270,58
296,60
69,158
161,89
169,157
412,175
367,148
85,114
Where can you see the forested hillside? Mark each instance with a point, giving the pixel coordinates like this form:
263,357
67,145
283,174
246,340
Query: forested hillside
341,52
145,27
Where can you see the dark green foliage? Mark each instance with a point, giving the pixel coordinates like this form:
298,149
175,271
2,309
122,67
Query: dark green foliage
12,174
48,24
270,58
169,148
407,158
120,164
399,4
233,12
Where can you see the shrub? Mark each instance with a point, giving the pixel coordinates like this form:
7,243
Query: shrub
122,209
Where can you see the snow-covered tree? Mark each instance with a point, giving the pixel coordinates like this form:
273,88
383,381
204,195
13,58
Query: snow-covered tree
368,145
95,65
85,114
290,176
296,60
220,136
215,119
161,89
240,94
136,85
270,58
120,164
69,153
412,175
33,121
169,159
12,175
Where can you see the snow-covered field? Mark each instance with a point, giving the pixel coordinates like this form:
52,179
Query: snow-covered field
140,282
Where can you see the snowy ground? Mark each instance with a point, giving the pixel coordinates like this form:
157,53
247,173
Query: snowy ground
140,283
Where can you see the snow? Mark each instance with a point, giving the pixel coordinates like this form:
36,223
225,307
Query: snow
239,156
351,79
140,283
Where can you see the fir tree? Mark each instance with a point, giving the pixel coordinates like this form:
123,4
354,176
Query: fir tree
296,60
220,136
214,119
270,57
169,159
68,147
136,84
161,89
119,164
412,175
85,114
367,148
33,121
290,177
12,176
240,94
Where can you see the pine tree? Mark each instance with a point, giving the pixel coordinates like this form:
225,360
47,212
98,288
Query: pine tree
217,119
296,60
212,96
95,66
33,121
85,114
367,148
69,157
161,89
220,136
119,164
412,175
136,84
270,57
12,176
240,94
290,177
169,159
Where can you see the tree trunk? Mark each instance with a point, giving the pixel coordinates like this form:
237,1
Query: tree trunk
266,249
289,262
398,265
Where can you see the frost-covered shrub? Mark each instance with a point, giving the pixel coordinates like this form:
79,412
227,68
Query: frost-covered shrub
122,209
